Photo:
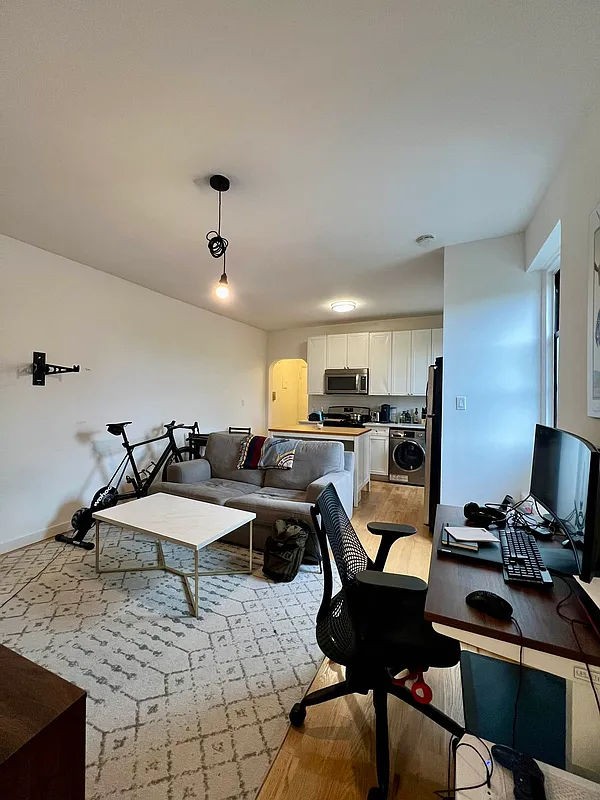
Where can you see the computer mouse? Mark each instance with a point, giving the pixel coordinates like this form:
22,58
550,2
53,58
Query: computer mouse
490,603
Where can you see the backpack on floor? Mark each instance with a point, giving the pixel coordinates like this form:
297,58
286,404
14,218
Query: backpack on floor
284,550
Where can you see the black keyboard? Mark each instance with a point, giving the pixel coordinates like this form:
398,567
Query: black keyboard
521,558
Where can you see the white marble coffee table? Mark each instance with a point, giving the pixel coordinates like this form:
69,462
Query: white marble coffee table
189,523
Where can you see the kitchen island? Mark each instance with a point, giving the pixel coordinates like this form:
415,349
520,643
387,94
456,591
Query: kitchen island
355,440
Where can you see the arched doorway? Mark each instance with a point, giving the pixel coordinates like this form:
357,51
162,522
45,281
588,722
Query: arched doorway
288,392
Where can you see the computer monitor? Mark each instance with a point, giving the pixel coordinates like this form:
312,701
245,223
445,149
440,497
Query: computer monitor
565,480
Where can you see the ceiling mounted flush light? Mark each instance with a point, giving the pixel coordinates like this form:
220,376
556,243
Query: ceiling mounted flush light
217,244
342,306
425,239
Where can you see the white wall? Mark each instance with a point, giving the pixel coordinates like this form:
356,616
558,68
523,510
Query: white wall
144,357
492,356
571,197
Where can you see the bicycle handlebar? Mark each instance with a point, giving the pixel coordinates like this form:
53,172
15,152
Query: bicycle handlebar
172,426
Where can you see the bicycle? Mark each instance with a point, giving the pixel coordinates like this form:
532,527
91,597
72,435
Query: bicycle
140,480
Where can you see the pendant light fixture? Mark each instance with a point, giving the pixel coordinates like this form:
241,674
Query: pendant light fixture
217,244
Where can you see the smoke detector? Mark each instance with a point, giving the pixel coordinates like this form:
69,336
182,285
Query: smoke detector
425,239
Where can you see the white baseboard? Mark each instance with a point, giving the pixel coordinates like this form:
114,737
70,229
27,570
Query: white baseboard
36,536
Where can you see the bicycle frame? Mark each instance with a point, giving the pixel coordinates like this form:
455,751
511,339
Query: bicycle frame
142,485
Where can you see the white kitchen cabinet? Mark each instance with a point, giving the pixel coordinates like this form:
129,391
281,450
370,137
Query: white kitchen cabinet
380,363
401,362
337,351
316,356
348,350
437,340
420,361
380,442
357,350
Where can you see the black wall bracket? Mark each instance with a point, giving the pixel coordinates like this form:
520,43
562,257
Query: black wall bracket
39,369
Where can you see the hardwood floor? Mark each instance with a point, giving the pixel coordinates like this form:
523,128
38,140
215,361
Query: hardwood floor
333,756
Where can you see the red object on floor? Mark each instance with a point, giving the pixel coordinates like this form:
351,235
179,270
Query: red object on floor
420,690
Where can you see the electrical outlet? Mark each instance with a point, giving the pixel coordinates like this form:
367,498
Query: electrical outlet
461,402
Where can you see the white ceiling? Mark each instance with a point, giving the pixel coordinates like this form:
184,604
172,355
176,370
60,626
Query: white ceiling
348,128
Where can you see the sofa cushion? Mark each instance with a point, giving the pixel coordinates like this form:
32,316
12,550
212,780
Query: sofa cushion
214,490
271,507
311,461
297,495
268,508
223,453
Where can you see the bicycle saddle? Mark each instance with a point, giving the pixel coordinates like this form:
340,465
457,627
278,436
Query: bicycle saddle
117,428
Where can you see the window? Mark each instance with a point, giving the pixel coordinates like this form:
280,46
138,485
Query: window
555,345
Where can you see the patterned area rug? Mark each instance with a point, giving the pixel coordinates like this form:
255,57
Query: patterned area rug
178,708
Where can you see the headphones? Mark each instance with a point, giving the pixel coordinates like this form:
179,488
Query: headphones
483,516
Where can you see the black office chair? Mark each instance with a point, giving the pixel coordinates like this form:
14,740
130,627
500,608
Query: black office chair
374,626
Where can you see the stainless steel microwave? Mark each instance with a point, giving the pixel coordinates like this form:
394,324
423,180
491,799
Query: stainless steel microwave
346,381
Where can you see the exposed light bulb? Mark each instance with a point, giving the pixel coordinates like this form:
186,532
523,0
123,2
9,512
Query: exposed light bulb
222,288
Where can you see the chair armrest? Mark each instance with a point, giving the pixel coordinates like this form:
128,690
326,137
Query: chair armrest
389,532
344,486
195,471
390,581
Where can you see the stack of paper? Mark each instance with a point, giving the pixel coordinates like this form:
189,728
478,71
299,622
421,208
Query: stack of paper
469,538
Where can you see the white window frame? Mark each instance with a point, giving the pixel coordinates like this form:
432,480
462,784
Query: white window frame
548,412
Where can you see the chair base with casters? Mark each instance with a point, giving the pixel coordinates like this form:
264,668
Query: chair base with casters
375,628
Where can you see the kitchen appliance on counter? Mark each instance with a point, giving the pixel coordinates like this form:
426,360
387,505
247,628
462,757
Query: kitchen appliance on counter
347,381
374,416
387,413
407,456
433,426
346,416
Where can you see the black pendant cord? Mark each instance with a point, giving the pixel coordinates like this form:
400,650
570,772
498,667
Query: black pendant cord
224,275
217,244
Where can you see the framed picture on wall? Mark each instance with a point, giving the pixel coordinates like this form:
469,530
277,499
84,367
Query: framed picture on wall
594,340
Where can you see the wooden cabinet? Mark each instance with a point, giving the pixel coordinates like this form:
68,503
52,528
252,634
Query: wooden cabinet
380,363
437,341
401,362
348,350
316,356
379,444
420,361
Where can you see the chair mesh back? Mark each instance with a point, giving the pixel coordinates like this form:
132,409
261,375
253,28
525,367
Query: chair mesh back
349,554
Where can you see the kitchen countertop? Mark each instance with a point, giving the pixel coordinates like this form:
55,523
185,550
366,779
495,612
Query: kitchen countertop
416,425
328,430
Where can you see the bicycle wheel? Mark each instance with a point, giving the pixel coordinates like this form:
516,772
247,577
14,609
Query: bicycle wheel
182,454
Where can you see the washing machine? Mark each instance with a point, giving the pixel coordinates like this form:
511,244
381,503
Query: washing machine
407,455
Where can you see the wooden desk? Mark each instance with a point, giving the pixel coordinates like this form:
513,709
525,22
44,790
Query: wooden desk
451,579
42,733
549,643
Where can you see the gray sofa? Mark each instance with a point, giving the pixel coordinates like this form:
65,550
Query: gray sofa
271,494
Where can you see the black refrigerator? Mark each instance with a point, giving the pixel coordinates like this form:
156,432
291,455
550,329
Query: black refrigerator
433,442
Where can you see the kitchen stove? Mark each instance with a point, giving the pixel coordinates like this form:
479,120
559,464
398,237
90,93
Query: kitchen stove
346,416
